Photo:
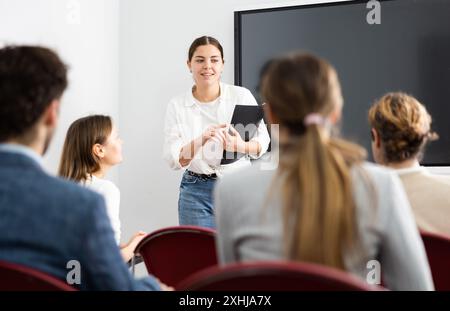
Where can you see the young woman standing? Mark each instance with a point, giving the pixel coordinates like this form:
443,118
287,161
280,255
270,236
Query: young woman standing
197,131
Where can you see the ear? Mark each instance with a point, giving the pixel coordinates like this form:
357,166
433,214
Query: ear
51,114
188,63
335,115
98,151
375,137
270,116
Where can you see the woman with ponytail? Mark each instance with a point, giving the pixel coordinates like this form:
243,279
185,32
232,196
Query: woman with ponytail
323,204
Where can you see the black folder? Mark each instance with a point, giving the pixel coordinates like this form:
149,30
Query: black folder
242,117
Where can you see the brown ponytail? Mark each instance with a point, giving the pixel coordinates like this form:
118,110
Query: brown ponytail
319,211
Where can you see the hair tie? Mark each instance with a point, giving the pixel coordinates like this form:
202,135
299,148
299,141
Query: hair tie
314,118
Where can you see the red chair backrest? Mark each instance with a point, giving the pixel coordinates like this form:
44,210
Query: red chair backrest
438,253
172,254
274,276
15,277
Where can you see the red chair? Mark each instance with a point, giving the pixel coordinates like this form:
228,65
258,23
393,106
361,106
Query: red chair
171,254
274,276
438,252
15,277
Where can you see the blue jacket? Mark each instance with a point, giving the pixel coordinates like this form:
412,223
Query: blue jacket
45,222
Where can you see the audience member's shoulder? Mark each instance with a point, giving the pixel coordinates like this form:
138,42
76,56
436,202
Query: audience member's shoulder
61,190
107,186
235,92
375,170
442,179
255,175
236,89
380,176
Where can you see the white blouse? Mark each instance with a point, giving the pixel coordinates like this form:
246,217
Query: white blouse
111,195
186,120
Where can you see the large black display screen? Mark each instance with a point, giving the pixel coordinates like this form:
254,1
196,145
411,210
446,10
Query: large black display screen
409,51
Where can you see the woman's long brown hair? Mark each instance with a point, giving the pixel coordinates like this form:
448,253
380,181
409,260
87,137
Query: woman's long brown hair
78,160
319,210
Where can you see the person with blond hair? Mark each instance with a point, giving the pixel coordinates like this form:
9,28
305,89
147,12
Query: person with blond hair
400,130
323,204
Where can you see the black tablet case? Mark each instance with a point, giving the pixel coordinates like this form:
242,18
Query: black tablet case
243,115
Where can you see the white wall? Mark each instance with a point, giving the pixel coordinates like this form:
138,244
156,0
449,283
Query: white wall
154,39
127,59
85,34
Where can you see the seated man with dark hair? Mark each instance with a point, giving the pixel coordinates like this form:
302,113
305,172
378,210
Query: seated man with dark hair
47,222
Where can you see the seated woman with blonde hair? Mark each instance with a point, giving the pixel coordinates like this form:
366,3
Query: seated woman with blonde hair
91,148
401,128
323,204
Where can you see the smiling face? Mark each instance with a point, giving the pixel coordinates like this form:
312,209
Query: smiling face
206,65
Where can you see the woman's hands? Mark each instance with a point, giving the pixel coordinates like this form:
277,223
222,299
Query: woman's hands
232,141
164,287
136,238
127,249
224,134
188,151
227,135
214,131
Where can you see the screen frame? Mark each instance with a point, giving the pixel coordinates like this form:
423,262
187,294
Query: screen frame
443,169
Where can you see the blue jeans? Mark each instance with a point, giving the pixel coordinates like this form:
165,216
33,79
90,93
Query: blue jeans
195,204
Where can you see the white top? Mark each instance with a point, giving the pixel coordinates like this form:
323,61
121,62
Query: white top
208,111
249,229
416,168
112,199
212,150
186,120
429,196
